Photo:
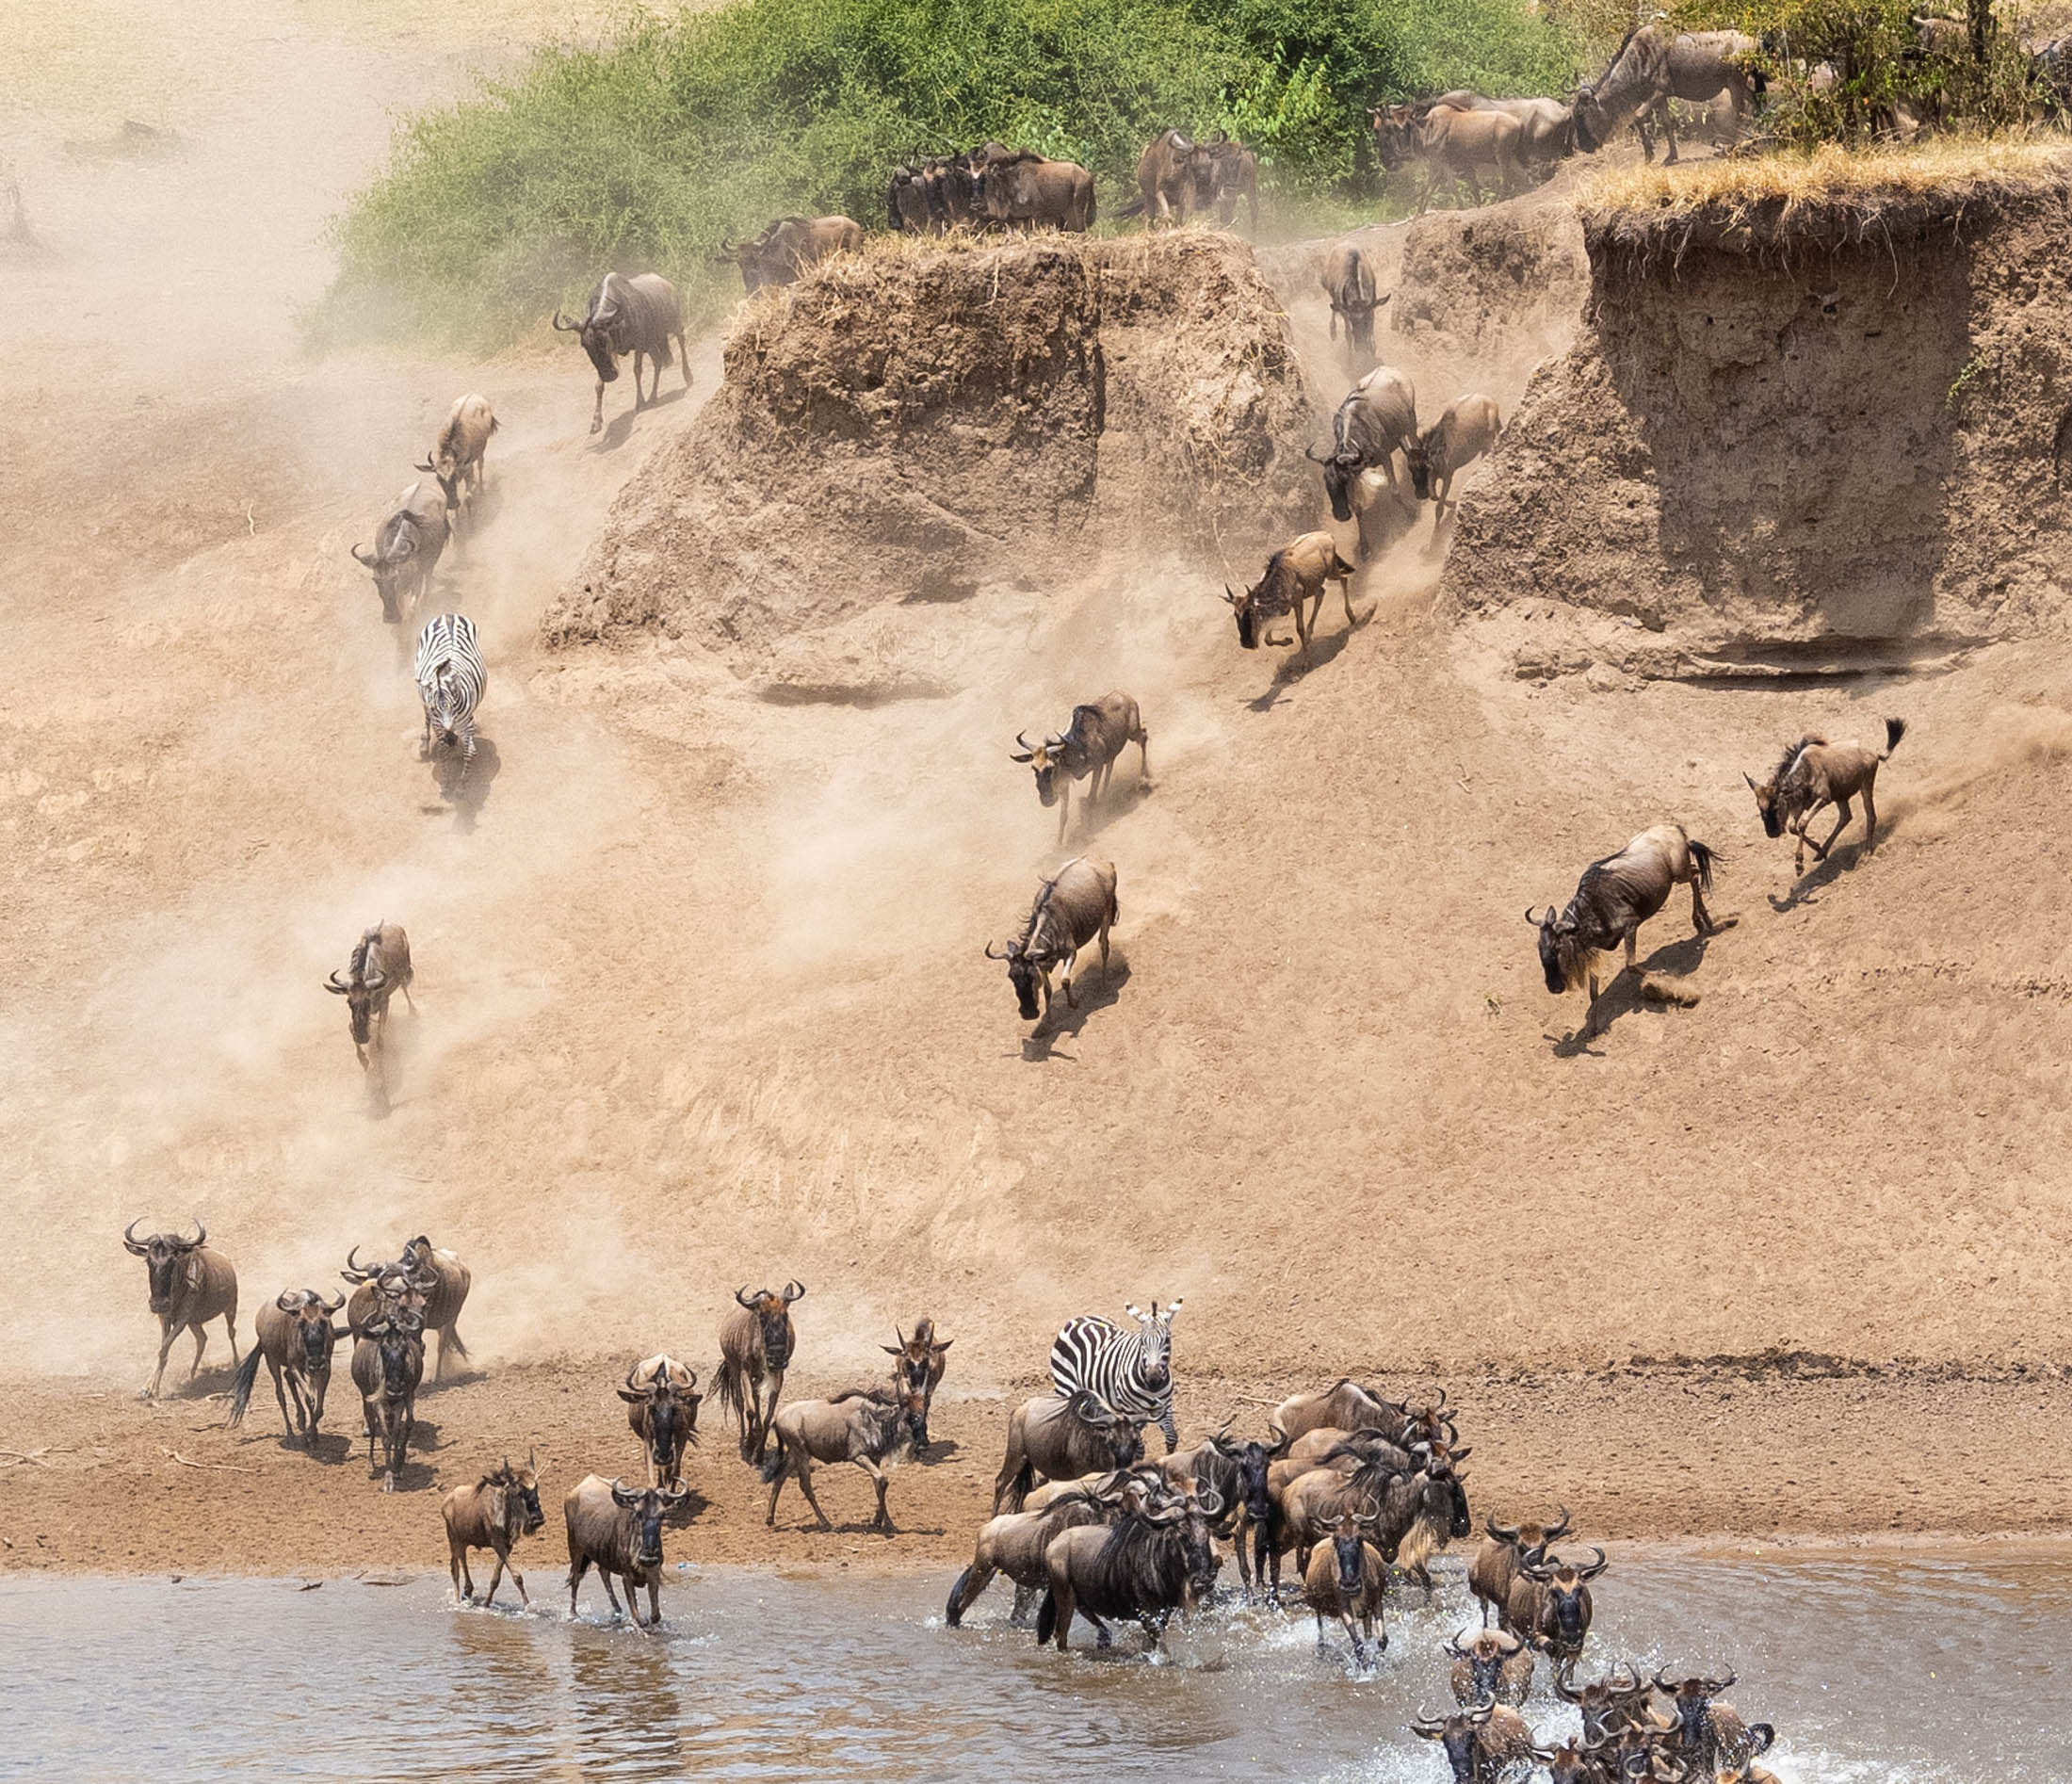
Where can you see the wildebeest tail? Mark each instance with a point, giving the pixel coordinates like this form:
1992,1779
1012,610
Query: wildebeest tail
240,1393
1046,1618
730,1391
1894,730
1704,858
1015,1494
773,1464
661,355
451,1341
953,1613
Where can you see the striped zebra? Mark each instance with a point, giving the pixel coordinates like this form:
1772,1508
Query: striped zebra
1129,1372
450,682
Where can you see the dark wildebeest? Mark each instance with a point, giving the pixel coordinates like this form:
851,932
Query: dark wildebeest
1711,1735
1550,1602
378,968
918,1364
755,1346
493,1514
407,549
1146,1565
1610,1706
1482,1744
456,456
382,1288
618,1530
190,1284
1027,191
636,316
1377,418
1014,1543
1174,176
787,249
445,1295
868,1426
662,1410
1089,745
1076,906
1233,174
1466,427
293,1336
1814,773
1615,895
1346,1578
1295,575
1490,1664
1237,1473
388,1362
1495,1563
1460,145
1062,1439
1419,1511
1348,281
1651,68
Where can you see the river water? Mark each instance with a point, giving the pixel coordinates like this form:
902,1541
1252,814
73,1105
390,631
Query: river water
1874,1668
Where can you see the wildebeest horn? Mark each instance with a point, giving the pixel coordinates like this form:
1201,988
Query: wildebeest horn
1555,1532
1004,954
794,1291
1453,1646
1531,918
1563,1687
1228,596
200,1235
1505,1635
334,983
561,322
1211,1503
1596,1567
1428,1727
129,1240
354,1271
361,558
425,465
675,1495
1663,1685
1632,1673
332,1308
1459,1456
1717,1686
620,1495
1500,1532
1313,456
741,1294
292,1300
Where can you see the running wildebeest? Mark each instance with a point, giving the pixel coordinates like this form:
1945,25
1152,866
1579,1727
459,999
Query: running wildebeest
1615,895
868,1426
293,1336
662,1410
407,549
456,456
1089,745
1346,1578
1609,1706
1376,419
1077,906
1348,279
636,316
618,1530
1014,1543
1147,1565
787,249
755,1346
493,1514
1482,1744
1466,427
1495,1563
446,1294
1550,1603
1062,1437
1295,575
1028,191
1814,773
1490,1664
1651,68
190,1284
918,1364
1712,1737
378,968
380,1289
388,1362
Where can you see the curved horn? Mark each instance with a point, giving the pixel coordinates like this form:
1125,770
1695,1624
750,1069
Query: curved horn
1500,1532
1428,1727
794,1291
741,1294
1596,1567
201,1233
360,557
1663,1685
1313,456
129,1240
1564,1686
1453,1646
1555,1532
1505,1635
561,322
333,1306
1004,954
1716,1687
1531,918
1630,1673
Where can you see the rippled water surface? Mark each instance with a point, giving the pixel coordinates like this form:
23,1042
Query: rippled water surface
1873,1669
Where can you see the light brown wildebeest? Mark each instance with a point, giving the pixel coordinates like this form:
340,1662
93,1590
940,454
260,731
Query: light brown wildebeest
1814,773
1296,574
1547,128
1077,906
444,1296
378,969
1455,145
918,1364
455,457
493,1514
1482,1744
1466,427
1089,745
755,1346
1346,1578
1651,68
1233,174
638,315
618,1530
190,1284
1172,180
292,1335
1490,1664
790,246
1027,191
1550,1602
1014,1543
1495,1563
1062,1437
1348,279
873,1429
662,1410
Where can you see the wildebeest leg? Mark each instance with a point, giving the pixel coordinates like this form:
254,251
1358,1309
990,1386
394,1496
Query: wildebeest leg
1072,996
1024,1602
288,1420
495,1574
1301,628
654,1575
1669,130
1798,829
803,1462
597,414
1063,1603
682,354
1841,823
201,1344
578,1566
464,1582
1065,804
518,1580
884,1520
611,1596
777,1485
1870,820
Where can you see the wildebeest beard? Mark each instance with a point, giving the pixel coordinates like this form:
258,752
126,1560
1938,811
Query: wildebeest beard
597,344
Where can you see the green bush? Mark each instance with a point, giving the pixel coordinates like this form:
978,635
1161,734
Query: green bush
686,132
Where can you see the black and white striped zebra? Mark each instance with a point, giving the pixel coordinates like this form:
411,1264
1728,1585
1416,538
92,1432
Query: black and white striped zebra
450,682
1129,1372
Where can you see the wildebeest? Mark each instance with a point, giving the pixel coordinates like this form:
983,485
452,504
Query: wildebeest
940,193
446,1294
1351,1407
493,1514
755,1346
456,456
790,246
1466,427
1147,1565
1172,180
1609,1704
1235,1472
1459,145
1377,418
1482,1744
378,969
1346,1578
383,1289
1550,1603
1295,575
1062,1437
1651,68
407,549
1077,906
1419,1511
1014,1543
1495,1563
1490,1664
868,1426
1615,895
1711,1734
292,1335
1098,734
388,1362
1814,773
1348,279
1546,131
918,1364
618,1530
1027,191
1233,174
190,1284
662,1410
636,316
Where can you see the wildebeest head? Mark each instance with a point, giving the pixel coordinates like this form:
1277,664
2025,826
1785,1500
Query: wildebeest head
313,1317
1199,1514
1348,1547
1047,758
1458,1735
1246,614
1561,959
1023,973
1770,799
363,990
518,1504
1530,1535
1125,1439
1564,1598
1689,1699
1485,1653
1156,1363
914,1360
773,1314
1442,1503
1395,134
166,1257
1418,455
399,1336
599,330
395,551
1608,1704
1342,468
672,1416
648,1508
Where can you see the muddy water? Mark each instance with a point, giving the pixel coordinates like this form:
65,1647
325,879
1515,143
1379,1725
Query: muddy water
1873,1669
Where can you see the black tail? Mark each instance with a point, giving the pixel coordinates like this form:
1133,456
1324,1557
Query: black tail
451,1341
1046,1618
1894,730
1704,858
954,1614
729,1390
240,1393
774,1465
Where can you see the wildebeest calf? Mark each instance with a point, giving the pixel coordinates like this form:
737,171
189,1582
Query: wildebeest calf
1815,772
456,456
1296,574
493,1514
1466,427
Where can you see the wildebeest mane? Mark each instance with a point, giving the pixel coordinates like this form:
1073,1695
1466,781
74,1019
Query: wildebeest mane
1142,1563
1789,759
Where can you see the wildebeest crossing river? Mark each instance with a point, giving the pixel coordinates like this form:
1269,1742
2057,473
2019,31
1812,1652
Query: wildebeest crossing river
1874,1668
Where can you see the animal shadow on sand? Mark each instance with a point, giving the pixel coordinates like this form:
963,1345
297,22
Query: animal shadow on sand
693,1506
1292,668
1677,960
330,1449
940,1449
1844,857
619,430
466,794
1103,989
1118,802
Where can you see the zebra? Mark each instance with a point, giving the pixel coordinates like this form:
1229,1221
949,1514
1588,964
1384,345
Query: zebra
1130,1372
450,682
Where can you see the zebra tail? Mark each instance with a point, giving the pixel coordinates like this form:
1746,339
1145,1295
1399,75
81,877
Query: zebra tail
240,1396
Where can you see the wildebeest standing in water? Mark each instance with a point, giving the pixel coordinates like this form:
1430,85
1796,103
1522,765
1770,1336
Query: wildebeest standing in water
293,1336
638,315
1466,427
190,1284
618,1530
918,1364
407,550
662,1409
755,1346
378,968
1815,773
1146,1565
1348,281
493,1514
1496,1563
1088,746
455,457
1076,906
1293,584
1615,895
